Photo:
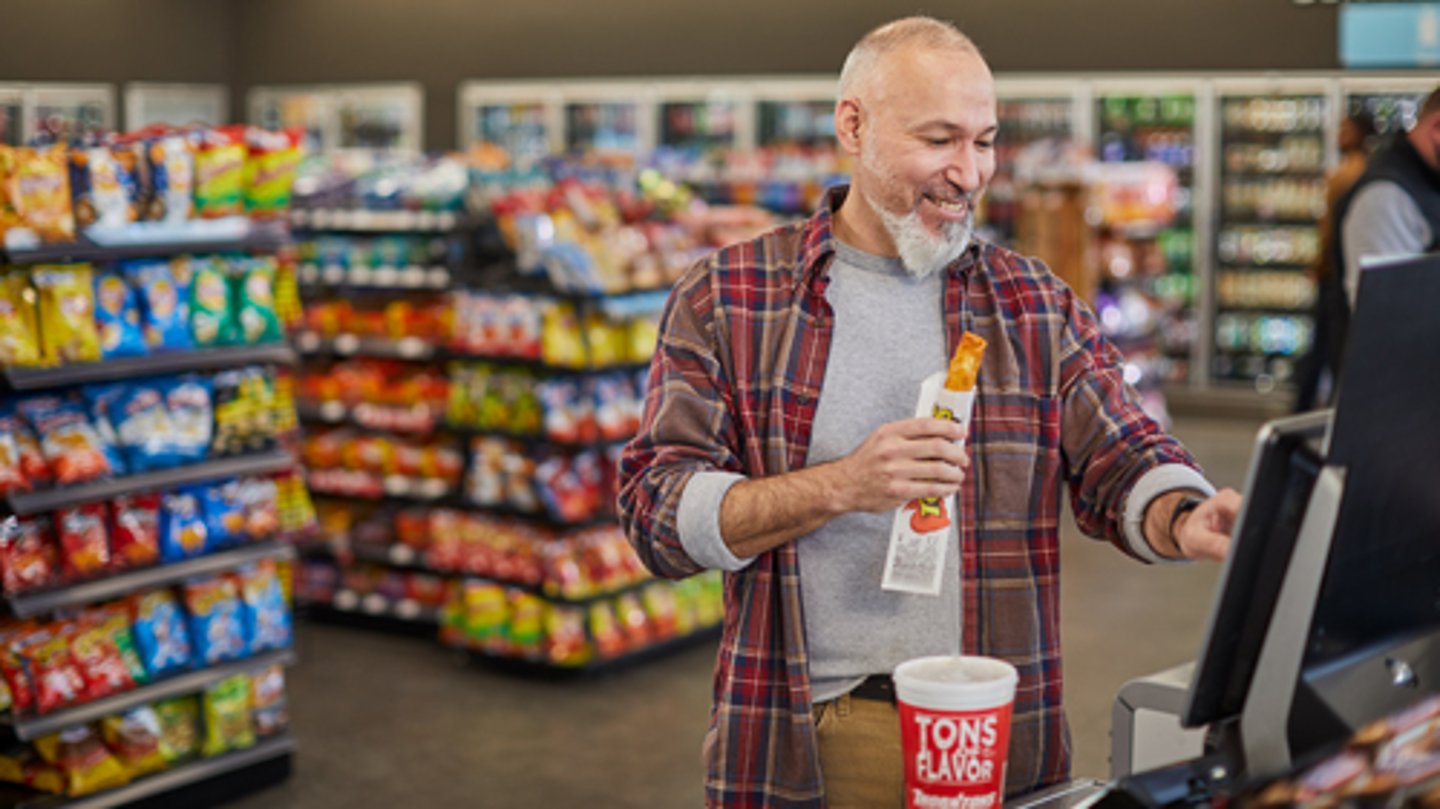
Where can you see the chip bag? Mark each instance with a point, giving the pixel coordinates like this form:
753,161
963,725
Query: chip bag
224,514
51,668
102,183
84,544
170,160
183,532
40,193
98,657
188,398
165,302
220,172
267,616
19,321
135,530
66,297
217,623
28,558
135,738
267,700
255,298
160,632
270,169
179,727
73,451
83,759
145,428
117,316
211,323
97,402
227,716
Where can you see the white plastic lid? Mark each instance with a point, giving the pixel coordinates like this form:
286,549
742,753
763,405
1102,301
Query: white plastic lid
955,682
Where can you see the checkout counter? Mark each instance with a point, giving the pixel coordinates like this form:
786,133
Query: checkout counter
1327,617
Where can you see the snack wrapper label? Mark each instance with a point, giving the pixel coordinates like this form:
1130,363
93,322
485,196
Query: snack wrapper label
915,562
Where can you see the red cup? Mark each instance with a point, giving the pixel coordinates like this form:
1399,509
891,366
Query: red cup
955,730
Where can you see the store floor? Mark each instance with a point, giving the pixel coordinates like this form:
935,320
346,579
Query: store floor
385,721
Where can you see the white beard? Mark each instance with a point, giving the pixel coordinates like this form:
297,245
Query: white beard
921,253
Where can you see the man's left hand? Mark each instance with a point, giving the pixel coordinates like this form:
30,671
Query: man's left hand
1205,532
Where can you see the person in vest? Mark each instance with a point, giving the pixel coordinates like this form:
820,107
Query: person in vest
1393,210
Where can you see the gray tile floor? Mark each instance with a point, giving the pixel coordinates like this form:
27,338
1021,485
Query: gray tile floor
387,721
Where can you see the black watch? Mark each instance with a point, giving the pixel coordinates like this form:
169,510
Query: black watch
1187,504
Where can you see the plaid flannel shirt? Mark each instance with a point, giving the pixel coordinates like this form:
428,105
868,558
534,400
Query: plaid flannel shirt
733,387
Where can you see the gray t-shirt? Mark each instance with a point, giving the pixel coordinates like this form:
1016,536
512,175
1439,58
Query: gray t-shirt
889,335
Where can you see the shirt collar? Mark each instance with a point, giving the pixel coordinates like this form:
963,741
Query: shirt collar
818,247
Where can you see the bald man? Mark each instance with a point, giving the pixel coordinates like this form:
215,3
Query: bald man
777,443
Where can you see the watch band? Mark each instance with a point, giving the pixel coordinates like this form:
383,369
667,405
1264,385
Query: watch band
1187,504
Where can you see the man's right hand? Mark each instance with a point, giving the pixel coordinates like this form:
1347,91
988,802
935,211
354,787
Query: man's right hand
899,462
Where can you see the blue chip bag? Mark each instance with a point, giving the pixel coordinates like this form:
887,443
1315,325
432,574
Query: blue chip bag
183,532
224,510
144,427
217,623
165,302
117,315
161,635
72,449
189,400
97,402
171,163
267,616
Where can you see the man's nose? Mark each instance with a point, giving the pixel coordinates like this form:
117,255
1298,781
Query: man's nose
963,170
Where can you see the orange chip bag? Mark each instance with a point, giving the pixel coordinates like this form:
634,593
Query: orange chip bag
965,364
40,192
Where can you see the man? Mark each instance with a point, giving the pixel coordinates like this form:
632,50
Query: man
1393,210
776,440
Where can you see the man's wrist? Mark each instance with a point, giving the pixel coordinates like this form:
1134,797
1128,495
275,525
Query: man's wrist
1179,514
1164,519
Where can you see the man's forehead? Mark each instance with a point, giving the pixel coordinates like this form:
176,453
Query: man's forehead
913,71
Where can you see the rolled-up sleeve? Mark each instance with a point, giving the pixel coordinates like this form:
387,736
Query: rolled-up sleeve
1110,443
686,427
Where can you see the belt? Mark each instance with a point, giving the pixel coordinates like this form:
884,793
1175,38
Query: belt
877,687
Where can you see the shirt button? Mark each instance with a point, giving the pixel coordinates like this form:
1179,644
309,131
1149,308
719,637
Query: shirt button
805,398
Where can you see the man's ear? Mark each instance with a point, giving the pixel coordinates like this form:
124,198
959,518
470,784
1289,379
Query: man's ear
849,123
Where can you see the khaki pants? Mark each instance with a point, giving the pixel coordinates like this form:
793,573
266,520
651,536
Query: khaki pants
860,758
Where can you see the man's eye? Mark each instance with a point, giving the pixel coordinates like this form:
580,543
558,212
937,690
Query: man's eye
938,141
985,144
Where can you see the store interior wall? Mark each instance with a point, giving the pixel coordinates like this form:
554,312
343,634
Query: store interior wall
119,41
440,43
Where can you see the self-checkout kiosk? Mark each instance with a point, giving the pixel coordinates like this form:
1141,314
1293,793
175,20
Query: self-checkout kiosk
1327,615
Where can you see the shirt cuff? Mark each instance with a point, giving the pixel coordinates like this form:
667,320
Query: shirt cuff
1159,480
698,521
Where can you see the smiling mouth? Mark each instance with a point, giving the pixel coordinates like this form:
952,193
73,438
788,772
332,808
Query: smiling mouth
956,207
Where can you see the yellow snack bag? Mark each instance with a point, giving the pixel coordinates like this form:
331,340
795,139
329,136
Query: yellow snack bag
40,191
67,313
19,337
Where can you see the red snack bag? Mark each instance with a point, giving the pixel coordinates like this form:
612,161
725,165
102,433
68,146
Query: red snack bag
84,545
29,458
52,669
97,656
12,668
135,530
12,479
27,554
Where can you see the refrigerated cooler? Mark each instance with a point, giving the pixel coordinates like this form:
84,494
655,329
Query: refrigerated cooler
523,118
1037,128
1273,140
701,118
608,118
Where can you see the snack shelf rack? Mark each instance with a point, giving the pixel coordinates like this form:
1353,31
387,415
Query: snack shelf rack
435,277
257,463
201,237
414,348
346,220
203,782
27,379
29,605
198,782
536,668
191,682
431,421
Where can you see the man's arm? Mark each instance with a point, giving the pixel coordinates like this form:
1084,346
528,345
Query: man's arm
897,463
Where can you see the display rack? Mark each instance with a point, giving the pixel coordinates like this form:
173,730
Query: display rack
1037,125
268,761
1157,124
1273,145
